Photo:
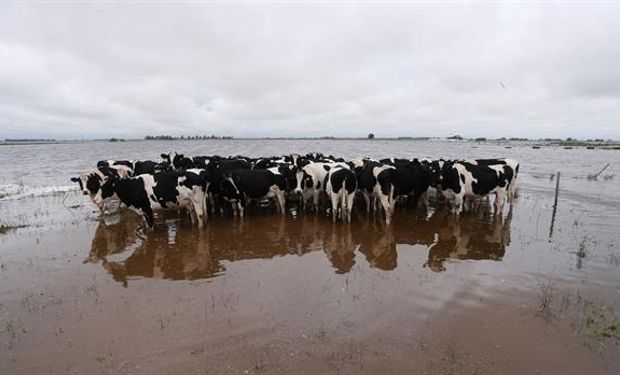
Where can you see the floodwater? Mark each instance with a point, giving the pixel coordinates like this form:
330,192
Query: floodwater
523,292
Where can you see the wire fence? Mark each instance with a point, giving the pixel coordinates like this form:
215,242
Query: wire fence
603,174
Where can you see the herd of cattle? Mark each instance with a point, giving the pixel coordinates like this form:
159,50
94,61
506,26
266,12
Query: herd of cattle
200,183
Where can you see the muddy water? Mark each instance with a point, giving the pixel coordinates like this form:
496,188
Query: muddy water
432,293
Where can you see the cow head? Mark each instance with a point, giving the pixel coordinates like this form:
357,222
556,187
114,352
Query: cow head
450,180
356,165
162,166
436,169
229,188
303,181
93,184
289,172
177,161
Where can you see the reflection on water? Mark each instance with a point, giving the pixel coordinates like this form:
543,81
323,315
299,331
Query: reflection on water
180,252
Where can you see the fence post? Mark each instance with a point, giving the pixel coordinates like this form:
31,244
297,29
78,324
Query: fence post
555,203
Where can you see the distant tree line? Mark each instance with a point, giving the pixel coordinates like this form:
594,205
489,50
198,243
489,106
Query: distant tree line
183,137
29,140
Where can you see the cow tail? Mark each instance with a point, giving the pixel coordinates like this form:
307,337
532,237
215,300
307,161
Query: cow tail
343,196
204,202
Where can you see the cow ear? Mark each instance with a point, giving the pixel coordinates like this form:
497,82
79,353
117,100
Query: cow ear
164,156
75,179
326,167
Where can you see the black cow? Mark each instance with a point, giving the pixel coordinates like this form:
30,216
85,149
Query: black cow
258,184
412,179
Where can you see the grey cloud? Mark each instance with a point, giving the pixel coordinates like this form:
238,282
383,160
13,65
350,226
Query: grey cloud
68,71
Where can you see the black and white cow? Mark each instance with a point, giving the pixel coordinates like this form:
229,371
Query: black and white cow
127,168
124,168
178,161
340,187
266,163
310,181
258,185
376,182
170,190
462,179
93,184
512,163
240,186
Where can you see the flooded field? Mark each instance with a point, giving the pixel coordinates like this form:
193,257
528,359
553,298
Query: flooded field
524,292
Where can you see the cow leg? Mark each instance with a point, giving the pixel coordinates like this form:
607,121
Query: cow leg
367,200
190,212
458,204
240,208
315,200
212,202
205,211
423,199
385,204
148,216
334,199
197,206
500,196
343,204
350,200
512,190
281,201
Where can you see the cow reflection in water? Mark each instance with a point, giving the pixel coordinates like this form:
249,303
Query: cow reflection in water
474,236
180,252
184,253
339,247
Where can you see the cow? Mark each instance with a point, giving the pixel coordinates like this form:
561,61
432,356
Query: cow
240,186
231,164
310,181
178,161
512,163
144,167
435,167
146,193
412,179
266,163
127,168
218,170
340,187
124,168
376,182
462,179
93,184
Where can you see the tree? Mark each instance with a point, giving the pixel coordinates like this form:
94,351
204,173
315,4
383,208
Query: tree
371,136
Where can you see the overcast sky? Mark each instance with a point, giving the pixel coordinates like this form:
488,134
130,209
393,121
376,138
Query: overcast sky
72,71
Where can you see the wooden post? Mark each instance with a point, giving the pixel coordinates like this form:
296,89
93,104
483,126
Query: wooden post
557,189
555,204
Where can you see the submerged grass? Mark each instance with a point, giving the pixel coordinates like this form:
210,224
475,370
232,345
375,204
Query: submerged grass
4,229
604,323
